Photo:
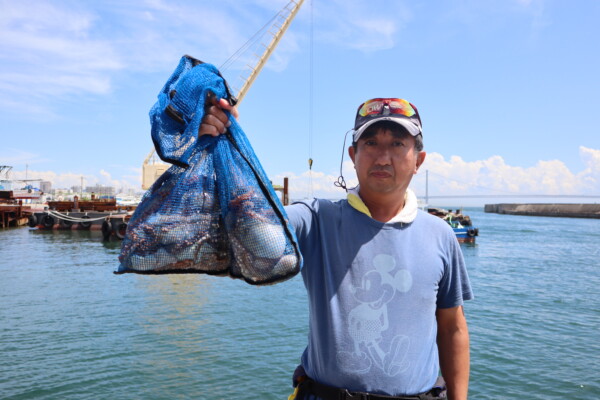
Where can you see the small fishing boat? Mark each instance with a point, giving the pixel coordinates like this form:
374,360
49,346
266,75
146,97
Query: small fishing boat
461,224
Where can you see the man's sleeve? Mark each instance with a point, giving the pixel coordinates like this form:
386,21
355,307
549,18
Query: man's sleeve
302,216
455,286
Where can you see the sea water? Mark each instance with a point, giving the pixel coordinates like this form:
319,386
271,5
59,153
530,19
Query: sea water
71,329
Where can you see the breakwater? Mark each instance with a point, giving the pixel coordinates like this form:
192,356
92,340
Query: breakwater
546,209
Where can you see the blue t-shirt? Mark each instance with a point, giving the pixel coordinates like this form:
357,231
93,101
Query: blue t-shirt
373,289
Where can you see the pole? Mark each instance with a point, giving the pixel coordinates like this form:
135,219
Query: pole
276,37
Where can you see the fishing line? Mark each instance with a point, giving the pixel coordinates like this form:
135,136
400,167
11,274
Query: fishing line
341,182
311,100
248,43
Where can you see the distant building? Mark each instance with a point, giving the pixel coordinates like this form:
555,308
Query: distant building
100,190
45,186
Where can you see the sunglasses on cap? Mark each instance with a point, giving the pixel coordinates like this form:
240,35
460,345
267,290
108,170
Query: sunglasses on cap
399,111
394,106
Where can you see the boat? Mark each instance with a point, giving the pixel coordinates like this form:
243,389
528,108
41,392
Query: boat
13,212
18,201
128,200
461,224
96,214
20,190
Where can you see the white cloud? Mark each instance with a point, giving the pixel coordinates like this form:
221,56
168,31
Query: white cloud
454,176
539,17
311,184
48,52
66,180
11,156
356,24
591,159
494,177
591,174
482,17
52,51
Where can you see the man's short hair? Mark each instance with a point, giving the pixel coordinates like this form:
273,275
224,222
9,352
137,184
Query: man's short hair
392,127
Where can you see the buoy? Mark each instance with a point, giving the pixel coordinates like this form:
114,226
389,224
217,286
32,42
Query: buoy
106,230
121,230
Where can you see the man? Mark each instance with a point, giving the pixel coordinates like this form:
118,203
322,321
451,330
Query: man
385,281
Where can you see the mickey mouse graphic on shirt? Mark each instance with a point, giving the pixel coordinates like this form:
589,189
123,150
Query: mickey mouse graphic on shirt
368,321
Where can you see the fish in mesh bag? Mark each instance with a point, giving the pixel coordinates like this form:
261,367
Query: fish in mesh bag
214,210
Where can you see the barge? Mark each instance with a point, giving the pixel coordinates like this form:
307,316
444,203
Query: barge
102,215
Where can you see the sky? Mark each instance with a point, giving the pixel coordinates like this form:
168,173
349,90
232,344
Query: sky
507,89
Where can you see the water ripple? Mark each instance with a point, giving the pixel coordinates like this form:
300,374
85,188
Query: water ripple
71,329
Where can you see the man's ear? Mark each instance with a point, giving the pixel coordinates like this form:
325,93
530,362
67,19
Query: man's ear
351,153
420,160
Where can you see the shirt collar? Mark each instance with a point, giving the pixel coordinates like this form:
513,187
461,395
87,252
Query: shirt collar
406,215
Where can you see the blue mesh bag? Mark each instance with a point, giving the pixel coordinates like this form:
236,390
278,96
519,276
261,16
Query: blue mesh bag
214,210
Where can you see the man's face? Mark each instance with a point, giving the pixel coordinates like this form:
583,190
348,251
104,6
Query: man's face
385,162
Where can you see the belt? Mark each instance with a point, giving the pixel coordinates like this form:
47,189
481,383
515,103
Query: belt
325,392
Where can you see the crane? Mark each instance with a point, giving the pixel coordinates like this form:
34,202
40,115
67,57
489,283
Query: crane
153,167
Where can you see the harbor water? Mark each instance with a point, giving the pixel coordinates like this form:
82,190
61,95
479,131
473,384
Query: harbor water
71,329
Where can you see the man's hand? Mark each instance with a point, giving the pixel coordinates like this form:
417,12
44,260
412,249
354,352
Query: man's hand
215,121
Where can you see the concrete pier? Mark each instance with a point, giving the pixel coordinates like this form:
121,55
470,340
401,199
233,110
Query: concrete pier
546,209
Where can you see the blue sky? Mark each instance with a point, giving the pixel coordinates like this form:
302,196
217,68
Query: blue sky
507,89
